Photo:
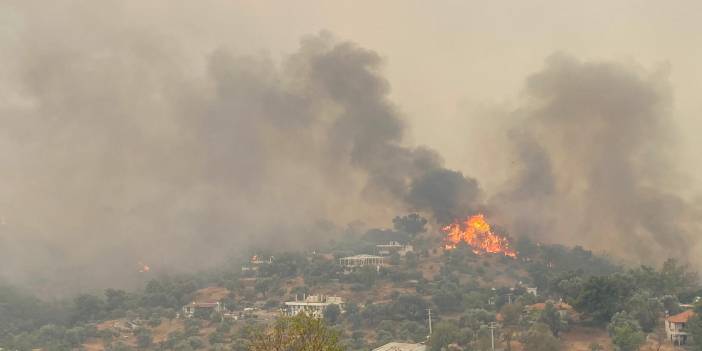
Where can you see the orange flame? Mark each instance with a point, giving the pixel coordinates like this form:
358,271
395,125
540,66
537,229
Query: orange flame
144,268
475,231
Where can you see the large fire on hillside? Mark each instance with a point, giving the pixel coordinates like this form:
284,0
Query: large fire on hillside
476,232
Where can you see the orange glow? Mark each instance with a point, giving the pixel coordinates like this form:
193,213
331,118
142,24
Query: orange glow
475,231
144,268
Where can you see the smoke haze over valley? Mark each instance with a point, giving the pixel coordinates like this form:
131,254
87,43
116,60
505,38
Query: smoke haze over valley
181,133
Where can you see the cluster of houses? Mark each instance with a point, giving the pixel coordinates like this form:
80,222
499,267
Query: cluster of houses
313,305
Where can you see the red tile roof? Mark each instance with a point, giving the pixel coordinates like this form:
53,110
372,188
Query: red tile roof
682,317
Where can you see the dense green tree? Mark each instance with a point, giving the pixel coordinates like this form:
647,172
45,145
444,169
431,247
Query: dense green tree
410,307
511,314
540,338
448,300
411,331
196,342
526,247
676,277
550,317
694,327
357,338
266,285
602,296
50,333
154,321
284,265
444,334
331,314
647,278
569,287
192,327
411,260
625,332
298,333
75,336
143,337
366,276
202,313
645,309
412,224
475,317
671,304
87,308
115,299
352,308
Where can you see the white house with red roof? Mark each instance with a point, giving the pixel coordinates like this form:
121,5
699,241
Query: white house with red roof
676,327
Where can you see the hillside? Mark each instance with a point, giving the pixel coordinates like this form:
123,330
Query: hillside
572,292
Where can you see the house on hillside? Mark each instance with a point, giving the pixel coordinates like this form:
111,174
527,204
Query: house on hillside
398,346
255,262
192,308
352,262
393,247
564,310
313,305
676,327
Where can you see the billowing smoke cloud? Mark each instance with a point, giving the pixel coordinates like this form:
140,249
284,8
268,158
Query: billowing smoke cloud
122,144
370,131
118,148
594,146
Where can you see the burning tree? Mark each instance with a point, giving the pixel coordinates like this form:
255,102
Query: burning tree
476,232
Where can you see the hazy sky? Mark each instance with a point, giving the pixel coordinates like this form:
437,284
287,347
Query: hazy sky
445,59
105,157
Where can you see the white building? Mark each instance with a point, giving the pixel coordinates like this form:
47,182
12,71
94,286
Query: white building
190,309
676,327
392,247
255,262
313,305
398,346
361,261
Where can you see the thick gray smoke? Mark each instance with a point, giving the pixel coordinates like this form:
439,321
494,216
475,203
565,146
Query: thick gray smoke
369,130
116,150
121,144
594,150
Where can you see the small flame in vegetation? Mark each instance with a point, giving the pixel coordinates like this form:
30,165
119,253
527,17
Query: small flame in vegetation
475,231
144,268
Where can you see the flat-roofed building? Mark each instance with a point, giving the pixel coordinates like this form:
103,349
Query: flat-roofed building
393,247
361,261
313,305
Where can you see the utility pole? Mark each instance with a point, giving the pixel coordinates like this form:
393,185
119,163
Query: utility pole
429,311
509,297
492,327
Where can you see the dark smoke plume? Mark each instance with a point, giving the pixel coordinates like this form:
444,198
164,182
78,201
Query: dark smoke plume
370,131
115,152
594,149
122,142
